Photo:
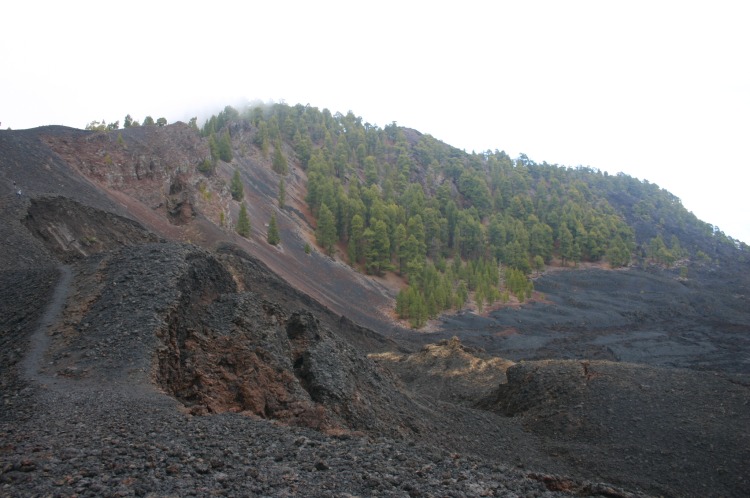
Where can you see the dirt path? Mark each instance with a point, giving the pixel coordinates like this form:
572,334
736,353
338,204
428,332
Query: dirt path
39,342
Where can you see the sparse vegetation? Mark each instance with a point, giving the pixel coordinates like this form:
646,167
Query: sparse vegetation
280,165
207,167
243,222
273,237
224,147
236,187
205,193
282,193
97,126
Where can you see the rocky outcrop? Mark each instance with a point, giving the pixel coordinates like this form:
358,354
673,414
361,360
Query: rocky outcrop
641,420
140,161
72,231
448,370
225,350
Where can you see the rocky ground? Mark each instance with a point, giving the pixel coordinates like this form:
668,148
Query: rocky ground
88,412
132,365
647,316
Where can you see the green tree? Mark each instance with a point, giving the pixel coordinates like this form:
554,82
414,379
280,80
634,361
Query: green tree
97,126
462,295
341,158
399,246
474,188
213,146
148,120
282,193
225,147
161,122
303,148
378,258
128,122
541,241
243,222
207,167
356,238
479,299
566,244
236,187
326,232
279,163
371,171
261,138
411,305
618,254
273,237
538,263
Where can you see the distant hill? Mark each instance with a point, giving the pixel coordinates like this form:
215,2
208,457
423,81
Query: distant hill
230,309
396,200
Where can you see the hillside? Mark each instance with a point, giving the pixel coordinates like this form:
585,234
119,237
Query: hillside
134,314
395,200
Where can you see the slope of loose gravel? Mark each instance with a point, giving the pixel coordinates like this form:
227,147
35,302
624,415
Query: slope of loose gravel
83,418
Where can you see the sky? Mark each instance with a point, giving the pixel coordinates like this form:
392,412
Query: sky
658,90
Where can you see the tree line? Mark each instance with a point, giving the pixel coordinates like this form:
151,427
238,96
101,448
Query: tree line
456,226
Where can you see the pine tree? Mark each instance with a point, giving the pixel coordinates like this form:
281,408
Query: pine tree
236,187
538,263
380,249
402,305
273,237
399,247
282,193
462,294
279,164
479,299
566,244
225,147
243,222
261,138
326,233
371,171
356,242
303,148
417,309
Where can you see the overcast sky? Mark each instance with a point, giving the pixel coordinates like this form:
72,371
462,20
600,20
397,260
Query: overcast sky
657,90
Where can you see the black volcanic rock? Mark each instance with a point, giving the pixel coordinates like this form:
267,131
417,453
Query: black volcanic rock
137,363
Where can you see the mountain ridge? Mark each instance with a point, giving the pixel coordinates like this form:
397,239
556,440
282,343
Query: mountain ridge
172,312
